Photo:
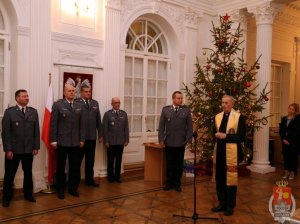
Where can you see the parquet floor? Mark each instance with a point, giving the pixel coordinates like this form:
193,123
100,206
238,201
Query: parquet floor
137,202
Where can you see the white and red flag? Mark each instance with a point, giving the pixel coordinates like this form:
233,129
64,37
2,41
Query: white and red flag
46,135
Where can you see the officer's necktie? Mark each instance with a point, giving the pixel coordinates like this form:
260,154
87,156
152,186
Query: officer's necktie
87,103
117,112
176,109
23,110
71,104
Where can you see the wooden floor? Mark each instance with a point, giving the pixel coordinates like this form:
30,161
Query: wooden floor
135,202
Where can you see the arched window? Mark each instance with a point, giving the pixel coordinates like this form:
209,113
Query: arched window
146,73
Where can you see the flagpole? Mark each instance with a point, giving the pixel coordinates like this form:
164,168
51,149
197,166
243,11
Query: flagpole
49,190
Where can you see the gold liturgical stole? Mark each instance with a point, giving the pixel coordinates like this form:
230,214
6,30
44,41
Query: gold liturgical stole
231,148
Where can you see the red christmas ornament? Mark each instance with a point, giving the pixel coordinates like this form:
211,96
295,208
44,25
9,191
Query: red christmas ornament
266,98
208,66
226,18
246,106
243,69
248,84
211,93
220,69
234,91
257,67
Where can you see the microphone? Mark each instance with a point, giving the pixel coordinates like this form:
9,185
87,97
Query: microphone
195,134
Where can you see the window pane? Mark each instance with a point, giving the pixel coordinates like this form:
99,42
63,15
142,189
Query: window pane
127,105
1,78
151,31
138,67
151,69
138,27
128,67
129,122
160,104
138,87
162,89
137,123
128,87
151,106
1,103
137,106
277,74
2,52
151,88
2,27
159,46
150,123
276,90
157,122
162,70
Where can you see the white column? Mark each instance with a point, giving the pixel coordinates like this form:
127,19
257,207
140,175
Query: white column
264,15
40,59
297,69
33,67
190,45
111,61
239,17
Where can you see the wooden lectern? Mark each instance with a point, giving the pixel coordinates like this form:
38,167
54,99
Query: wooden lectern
155,163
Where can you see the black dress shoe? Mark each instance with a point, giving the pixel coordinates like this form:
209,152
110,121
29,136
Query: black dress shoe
167,187
228,212
30,198
74,193
5,203
118,180
178,188
218,208
93,184
61,196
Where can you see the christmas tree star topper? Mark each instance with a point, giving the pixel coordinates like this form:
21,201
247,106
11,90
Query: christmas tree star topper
226,17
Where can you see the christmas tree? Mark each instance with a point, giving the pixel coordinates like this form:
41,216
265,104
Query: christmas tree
224,73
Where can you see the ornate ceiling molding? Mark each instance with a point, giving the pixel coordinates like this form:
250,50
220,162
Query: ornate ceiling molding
191,17
265,13
290,14
174,13
239,16
114,4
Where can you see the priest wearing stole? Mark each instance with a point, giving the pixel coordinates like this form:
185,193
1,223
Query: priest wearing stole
229,133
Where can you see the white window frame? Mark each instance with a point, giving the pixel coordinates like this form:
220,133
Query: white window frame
275,119
146,56
4,35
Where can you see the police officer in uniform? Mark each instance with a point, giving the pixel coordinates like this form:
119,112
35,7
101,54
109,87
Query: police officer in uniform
67,135
21,141
175,130
116,136
93,128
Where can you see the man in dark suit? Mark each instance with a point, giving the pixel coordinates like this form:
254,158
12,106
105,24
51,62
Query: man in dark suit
21,141
230,132
175,130
93,128
67,135
116,136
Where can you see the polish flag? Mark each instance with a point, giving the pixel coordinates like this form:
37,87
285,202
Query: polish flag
46,135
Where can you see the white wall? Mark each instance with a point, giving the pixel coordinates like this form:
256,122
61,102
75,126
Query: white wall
43,33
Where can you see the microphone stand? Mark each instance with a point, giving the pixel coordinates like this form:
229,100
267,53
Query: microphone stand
195,215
